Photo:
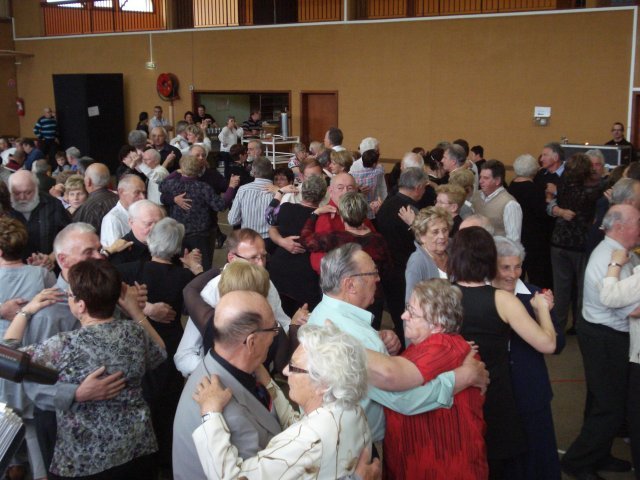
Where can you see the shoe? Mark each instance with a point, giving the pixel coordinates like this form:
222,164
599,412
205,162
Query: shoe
220,239
613,464
587,475
571,331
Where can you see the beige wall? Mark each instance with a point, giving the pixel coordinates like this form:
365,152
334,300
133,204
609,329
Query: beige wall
407,83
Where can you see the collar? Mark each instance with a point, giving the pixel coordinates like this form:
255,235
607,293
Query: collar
614,244
346,309
521,288
493,195
247,380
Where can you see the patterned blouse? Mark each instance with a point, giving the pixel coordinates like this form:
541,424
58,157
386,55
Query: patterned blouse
95,436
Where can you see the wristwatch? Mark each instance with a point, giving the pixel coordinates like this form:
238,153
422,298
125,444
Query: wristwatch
207,416
615,264
26,314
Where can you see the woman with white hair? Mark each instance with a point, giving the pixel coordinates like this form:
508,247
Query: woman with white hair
535,238
529,376
327,377
162,387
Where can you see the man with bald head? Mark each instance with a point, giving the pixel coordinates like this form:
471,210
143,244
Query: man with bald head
115,223
244,329
330,222
142,216
75,243
603,336
43,215
101,199
169,155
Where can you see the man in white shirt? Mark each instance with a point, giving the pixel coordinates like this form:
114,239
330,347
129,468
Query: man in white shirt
495,203
155,173
333,139
158,120
115,223
243,245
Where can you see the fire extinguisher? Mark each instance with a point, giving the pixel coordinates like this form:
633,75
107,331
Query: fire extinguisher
20,106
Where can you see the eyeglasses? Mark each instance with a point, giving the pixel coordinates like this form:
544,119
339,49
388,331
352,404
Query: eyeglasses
409,309
70,294
256,258
275,330
294,369
616,129
366,274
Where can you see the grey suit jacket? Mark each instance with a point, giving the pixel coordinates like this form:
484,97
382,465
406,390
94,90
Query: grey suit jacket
250,424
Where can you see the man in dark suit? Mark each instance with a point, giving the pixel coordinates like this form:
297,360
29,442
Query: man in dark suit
411,187
244,329
101,199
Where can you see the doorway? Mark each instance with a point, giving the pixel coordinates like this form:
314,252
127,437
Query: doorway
319,112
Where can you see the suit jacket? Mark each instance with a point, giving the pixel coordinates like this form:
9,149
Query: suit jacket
250,424
93,210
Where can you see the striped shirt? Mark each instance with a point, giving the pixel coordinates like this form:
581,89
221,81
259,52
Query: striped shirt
249,206
46,128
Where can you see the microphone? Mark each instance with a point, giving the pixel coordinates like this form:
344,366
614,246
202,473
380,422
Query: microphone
17,366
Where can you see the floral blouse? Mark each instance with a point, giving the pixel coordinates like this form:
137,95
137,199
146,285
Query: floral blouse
98,435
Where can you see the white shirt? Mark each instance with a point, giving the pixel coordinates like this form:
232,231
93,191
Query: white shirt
115,225
191,351
155,176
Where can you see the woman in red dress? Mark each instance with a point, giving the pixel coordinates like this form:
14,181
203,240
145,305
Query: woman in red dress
444,443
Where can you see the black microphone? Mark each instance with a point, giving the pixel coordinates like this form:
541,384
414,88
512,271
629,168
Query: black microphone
17,366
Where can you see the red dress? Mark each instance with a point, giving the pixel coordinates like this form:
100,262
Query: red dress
444,443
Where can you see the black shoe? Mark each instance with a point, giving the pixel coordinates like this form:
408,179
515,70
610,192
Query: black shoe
571,331
613,464
585,475
220,239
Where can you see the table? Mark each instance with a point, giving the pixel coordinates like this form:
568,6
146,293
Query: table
271,143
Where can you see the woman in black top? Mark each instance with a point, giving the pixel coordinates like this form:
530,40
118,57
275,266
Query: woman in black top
489,315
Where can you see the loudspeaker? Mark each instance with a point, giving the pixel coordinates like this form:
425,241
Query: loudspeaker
90,113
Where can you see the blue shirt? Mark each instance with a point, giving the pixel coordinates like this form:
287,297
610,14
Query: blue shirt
355,321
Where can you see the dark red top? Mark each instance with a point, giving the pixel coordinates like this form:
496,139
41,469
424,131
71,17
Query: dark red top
327,223
443,443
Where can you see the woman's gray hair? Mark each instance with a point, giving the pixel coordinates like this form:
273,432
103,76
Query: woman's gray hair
441,304
137,139
508,248
353,208
337,265
314,189
165,238
336,362
526,166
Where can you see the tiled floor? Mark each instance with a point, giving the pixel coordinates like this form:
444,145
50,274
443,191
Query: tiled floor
567,377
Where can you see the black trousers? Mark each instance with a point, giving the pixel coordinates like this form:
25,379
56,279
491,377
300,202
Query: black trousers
46,431
633,406
605,354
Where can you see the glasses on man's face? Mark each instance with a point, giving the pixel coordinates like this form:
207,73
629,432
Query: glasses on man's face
275,330
366,274
70,294
616,129
294,369
256,258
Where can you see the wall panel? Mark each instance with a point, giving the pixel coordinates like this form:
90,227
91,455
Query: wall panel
407,83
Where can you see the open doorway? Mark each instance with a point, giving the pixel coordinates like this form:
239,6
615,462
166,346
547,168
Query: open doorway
240,104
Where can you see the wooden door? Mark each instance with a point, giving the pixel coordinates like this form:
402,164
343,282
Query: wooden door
635,121
319,112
